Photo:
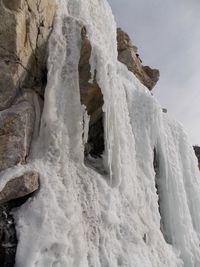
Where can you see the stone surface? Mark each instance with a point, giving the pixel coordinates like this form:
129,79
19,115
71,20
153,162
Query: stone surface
127,54
124,41
13,4
197,153
20,187
16,130
24,30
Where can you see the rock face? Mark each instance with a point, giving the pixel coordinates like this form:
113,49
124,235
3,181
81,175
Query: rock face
25,26
20,187
197,153
16,130
127,54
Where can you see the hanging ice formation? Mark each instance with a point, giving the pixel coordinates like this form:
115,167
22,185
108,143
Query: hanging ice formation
81,217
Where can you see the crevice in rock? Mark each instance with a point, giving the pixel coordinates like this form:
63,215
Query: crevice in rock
8,236
197,153
91,97
95,145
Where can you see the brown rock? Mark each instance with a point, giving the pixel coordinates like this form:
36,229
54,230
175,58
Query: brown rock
20,187
153,75
13,4
127,54
124,41
24,30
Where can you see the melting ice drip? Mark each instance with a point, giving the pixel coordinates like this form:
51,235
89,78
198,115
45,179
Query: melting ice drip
79,217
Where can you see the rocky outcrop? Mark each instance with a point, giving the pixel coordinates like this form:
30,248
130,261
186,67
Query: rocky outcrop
24,28
20,186
197,153
128,55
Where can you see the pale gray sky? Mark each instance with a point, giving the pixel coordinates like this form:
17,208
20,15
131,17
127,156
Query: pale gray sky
167,34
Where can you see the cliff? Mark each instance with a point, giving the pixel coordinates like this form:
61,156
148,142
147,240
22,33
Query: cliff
94,172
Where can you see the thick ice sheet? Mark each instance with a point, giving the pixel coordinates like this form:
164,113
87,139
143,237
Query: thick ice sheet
79,217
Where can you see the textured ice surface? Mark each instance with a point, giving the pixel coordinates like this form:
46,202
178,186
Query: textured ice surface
82,218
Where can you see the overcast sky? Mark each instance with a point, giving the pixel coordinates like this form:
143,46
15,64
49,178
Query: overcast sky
167,34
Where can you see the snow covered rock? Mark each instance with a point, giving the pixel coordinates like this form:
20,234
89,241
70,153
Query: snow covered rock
127,54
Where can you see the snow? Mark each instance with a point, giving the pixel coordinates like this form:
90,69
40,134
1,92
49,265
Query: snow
83,218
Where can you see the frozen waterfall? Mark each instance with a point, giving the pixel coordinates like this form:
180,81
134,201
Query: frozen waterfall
130,216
